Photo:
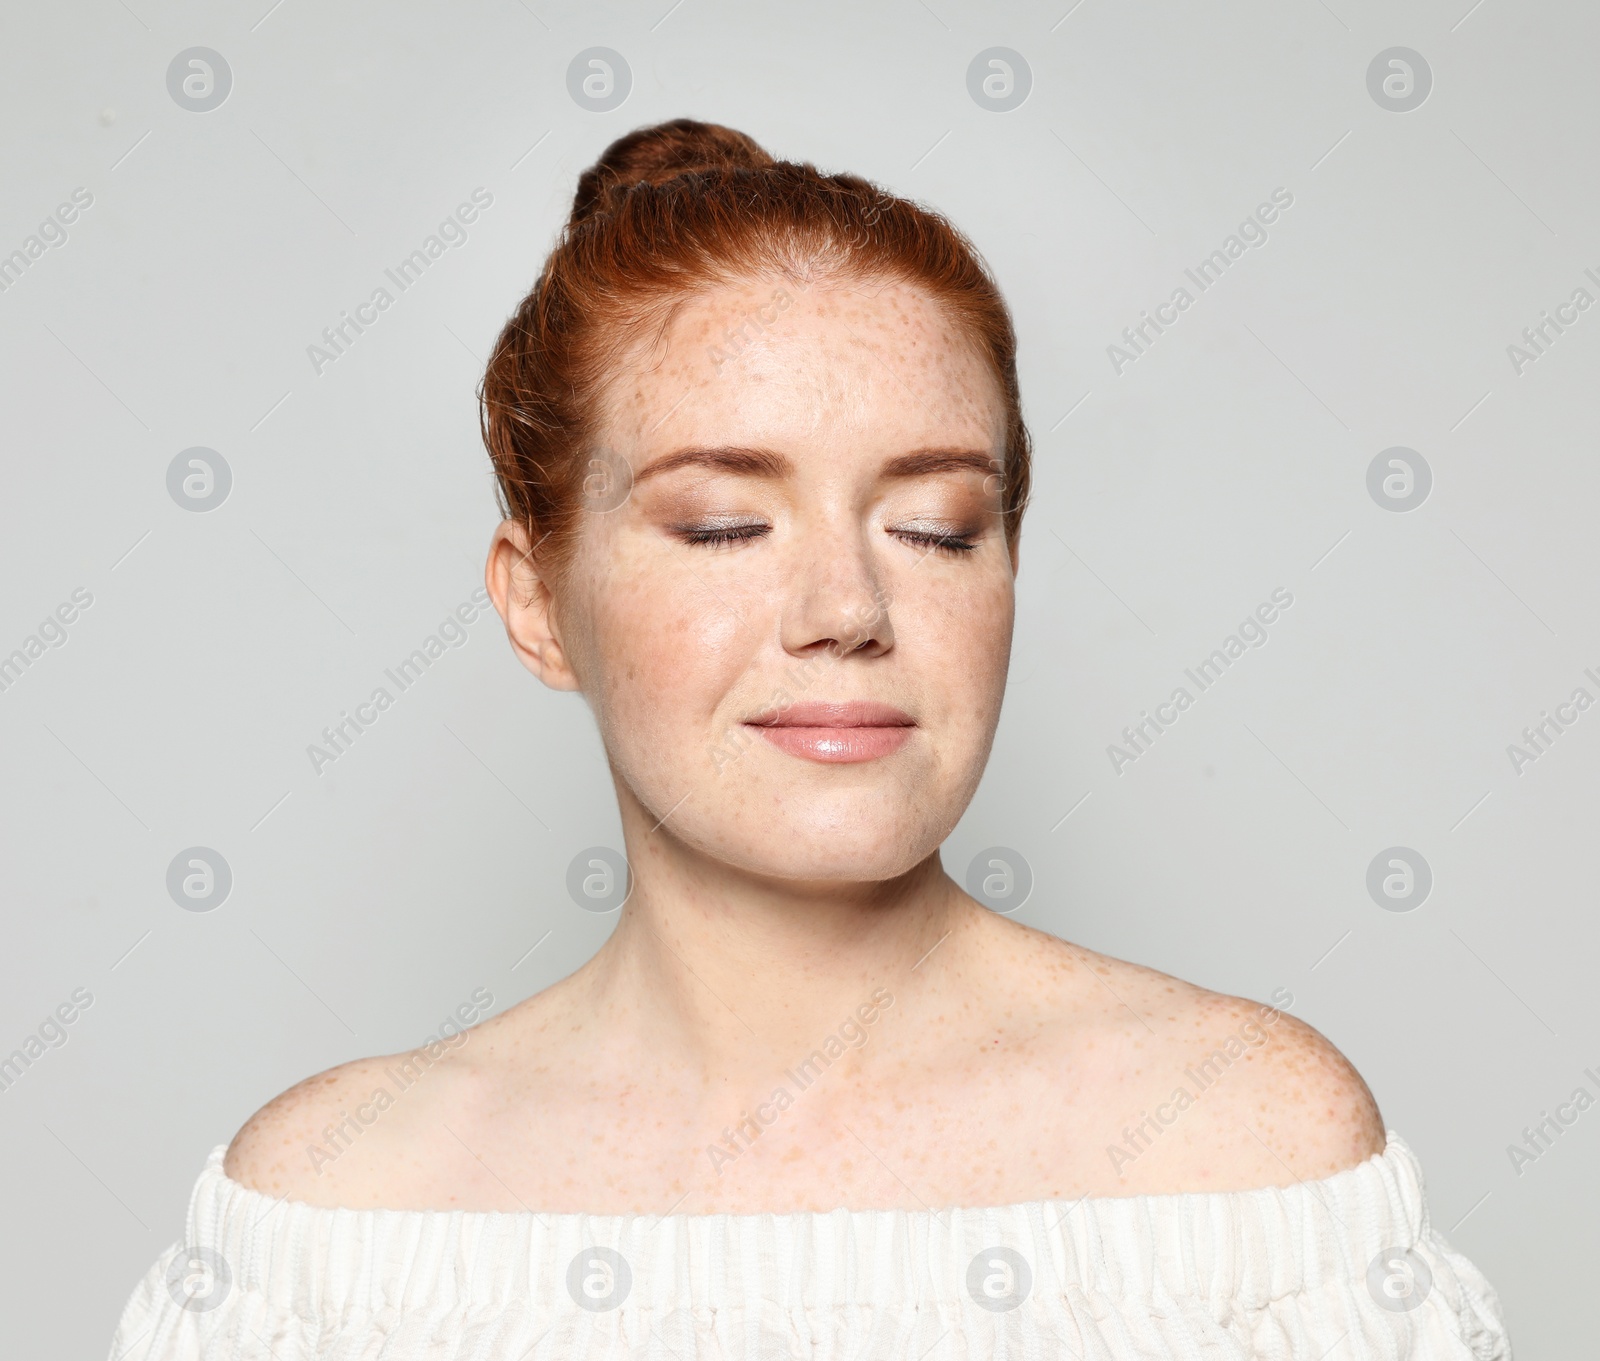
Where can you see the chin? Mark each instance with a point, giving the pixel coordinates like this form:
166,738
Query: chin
840,841
835,865
772,815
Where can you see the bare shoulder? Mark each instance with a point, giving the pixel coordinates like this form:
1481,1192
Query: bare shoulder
1201,1090
351,1135
1276,1101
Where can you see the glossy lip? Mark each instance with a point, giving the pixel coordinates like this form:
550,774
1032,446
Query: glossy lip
835,733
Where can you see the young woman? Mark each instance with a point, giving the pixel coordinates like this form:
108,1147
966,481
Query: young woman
763,466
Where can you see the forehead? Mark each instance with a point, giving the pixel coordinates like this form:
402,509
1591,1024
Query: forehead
769,362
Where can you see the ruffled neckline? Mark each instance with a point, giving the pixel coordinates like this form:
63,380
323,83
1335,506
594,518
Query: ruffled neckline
1250,1246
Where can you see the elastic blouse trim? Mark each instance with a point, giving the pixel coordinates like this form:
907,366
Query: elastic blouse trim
1240,1249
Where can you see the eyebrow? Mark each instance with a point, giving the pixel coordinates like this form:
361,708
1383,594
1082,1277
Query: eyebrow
922,462
728,459
748,462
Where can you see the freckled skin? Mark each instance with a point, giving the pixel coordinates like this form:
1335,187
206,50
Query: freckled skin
773,895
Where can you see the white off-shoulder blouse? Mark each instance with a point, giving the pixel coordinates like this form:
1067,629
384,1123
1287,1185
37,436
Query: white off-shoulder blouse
1347,1268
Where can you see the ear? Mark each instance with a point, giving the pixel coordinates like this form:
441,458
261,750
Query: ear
1016,552
524,602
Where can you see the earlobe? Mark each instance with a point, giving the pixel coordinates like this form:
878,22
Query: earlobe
526,607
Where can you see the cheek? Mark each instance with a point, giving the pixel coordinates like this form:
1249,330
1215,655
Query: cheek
987,643
666,653
962,633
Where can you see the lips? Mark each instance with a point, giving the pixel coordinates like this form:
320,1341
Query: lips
857,730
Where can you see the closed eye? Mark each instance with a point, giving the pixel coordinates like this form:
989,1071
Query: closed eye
726,536
951,545
722,536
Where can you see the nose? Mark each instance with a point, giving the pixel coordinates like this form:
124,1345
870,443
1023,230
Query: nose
836,601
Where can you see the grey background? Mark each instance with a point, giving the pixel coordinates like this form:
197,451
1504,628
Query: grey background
1230,459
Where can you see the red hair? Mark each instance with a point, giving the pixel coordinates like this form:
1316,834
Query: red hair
675,209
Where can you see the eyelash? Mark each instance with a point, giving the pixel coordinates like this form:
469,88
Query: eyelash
952,545
723,536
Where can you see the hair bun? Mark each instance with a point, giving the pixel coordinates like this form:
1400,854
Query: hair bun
662,151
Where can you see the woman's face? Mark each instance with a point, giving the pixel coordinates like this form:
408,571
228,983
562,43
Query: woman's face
814,521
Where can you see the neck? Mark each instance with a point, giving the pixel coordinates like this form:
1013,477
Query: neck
728,972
